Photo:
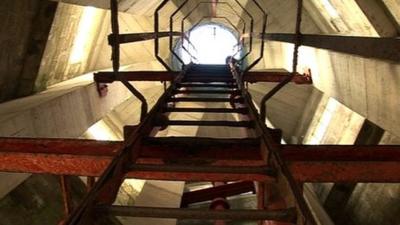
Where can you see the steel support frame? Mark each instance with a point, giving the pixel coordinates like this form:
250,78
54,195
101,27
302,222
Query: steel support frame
135,37
327,163
383,48
251,77
212,193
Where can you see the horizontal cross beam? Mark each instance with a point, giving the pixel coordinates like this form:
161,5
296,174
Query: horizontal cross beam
286,215
135,37
370,47
223,191
340,163
252,77
328,163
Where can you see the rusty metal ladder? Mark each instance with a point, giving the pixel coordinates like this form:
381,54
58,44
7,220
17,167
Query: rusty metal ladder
216,159
191,158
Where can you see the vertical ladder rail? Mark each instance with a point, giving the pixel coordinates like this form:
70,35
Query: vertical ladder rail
116,58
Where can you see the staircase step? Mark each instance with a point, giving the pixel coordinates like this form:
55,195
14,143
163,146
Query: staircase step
209,79
201,151
190,99
282,215
222,123
209,75
208,110
264,170
202,142
207,85
209,91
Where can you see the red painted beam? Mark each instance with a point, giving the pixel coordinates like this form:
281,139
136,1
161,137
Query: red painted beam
56,156
268,76
217,156
307,163
109,77
223,191
336,163
214,5
87,158
135,37
252,77
173,176
341,152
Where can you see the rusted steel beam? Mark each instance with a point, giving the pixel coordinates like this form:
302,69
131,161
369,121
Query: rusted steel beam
214,123
275,200
252,77
230,152
353,153
307,163
235,214
205,99
223,191
242,110
370,47
109,77
187,176
59,146
56,156
214,4
66,194
219,204
90,183
135,37
343,163
204,169
368,172
268,76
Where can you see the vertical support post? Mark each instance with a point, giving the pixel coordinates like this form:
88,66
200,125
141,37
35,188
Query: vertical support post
219,204
66,194
90,183
214,5
260,190
116,58
156,35
279,86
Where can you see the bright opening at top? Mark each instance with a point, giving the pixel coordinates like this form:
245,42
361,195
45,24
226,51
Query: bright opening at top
211,44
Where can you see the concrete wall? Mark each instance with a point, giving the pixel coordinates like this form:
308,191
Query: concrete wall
78,44
367,86
286,108
38,201
25,26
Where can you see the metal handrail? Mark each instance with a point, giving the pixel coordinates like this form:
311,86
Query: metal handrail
171,27
116,59
156,38
265,19
251,29
279,86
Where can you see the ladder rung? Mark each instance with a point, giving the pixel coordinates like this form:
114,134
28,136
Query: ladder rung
262,170
200,75
208,110
212,91
248,124
189,99
285,215
207,85
209,80
201,142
